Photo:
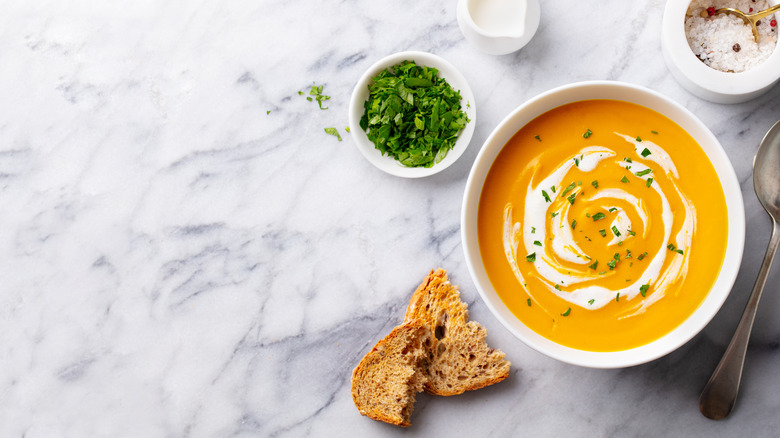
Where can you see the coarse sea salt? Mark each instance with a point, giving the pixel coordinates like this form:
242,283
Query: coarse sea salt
724,42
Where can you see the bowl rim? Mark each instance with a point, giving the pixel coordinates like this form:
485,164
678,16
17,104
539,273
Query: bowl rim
650,99
728,85
360,95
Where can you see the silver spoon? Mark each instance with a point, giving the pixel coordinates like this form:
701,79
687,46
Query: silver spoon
719,394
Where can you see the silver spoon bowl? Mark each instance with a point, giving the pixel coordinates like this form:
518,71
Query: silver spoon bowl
719,395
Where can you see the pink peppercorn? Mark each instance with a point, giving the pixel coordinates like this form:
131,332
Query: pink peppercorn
773,23
711,10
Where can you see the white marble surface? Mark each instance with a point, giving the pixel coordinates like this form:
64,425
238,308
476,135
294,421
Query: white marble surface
178,262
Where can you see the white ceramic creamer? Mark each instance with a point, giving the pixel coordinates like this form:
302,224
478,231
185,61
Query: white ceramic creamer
498,27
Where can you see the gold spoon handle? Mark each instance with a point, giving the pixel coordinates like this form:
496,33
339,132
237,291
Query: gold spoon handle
759,15
720,393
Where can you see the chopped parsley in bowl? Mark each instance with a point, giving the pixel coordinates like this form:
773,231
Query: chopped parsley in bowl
412,114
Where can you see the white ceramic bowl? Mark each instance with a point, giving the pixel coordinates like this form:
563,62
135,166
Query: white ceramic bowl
649,99
360,96
703,81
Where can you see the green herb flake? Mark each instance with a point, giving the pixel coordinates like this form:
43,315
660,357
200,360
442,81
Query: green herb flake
612,264
553,214
528,301
537,137
576,161
615,231
571,197
531,257
624,179
594,265
654,132
598,216
644,172
412,114
628,160
347,129
642,256
300,93
612,210
316,91
643,289
567,312
638,139
649,182
645,152
631,233
268,112
591,301
533,229
573,223
595,184
334,132
670,247
617,297
553,189
568,189
557,287
537,243
628,254
603,233
546,196
587,133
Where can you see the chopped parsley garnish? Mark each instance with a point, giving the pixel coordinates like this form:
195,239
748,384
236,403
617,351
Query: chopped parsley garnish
553,214
631,233
531,257
571,197
567,312
612,210
645,152
591,301
537,137
594,265
654,132
643,172
673,249
573,223
553,189
537,243
595,184
268,112
617,297
624,179
628,254
641,256
649,182
628,160
576,161
638,139
568,189
546,196
643,289
587,133
533,229
603,233
318,96
612,264
412,114
598,216
616,256
557,287
334,132
347,129
529,302
615,231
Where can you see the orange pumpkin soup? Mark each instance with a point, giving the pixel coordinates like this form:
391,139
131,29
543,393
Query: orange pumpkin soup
602,225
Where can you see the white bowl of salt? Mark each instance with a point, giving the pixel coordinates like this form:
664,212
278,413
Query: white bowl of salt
498,27
714,56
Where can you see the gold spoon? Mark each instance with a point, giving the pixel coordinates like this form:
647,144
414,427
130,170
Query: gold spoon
750,19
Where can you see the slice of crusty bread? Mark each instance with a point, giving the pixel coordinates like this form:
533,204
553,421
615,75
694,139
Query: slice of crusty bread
387,379
462,360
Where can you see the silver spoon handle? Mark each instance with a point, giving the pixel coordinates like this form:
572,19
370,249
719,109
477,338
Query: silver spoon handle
719,394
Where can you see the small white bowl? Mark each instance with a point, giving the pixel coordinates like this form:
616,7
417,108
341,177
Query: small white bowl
703,81
360,96
654,101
